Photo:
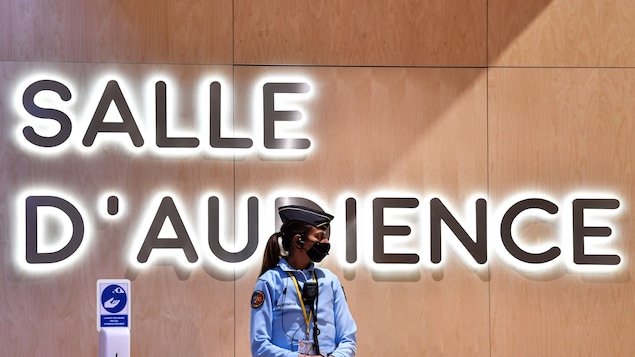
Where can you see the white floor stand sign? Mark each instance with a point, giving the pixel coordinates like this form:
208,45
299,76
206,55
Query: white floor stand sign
113,317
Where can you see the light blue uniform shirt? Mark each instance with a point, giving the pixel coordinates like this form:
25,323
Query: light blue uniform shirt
277,321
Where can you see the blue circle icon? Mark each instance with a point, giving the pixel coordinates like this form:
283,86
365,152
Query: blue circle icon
114,298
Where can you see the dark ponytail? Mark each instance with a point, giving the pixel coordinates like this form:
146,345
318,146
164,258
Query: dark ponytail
273,253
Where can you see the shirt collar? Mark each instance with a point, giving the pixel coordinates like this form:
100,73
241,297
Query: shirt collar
284,265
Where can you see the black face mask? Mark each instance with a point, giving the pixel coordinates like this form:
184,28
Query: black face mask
318,251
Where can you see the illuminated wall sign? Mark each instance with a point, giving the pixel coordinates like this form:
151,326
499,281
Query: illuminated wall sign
402,230
50,128
476,244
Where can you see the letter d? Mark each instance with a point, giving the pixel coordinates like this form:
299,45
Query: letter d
32,205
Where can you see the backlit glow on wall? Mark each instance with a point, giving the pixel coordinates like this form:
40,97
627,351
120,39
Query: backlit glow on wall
390,232
557,228
292,105
450,245
168,232
54,118
604,223
53,232
186,257
44,99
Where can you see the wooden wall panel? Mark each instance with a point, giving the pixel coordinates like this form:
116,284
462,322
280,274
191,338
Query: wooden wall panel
161,31
391,115
562,131
375,33
561,33
176,310
387,132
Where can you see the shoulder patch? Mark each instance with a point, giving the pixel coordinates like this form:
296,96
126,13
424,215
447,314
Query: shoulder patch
257,299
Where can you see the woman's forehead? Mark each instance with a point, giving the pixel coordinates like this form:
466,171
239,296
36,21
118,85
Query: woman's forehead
322,231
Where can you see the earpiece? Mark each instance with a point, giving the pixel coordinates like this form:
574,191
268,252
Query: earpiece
301,240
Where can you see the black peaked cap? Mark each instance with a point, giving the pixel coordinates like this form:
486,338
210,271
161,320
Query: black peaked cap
304,214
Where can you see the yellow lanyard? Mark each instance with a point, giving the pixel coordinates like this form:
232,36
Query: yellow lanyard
307,319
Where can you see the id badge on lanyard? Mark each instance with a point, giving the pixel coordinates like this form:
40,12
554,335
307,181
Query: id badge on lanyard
306,347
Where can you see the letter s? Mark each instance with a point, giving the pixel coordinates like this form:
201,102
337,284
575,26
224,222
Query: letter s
47,113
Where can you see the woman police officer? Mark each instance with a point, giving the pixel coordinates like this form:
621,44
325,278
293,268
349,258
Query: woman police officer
297,308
